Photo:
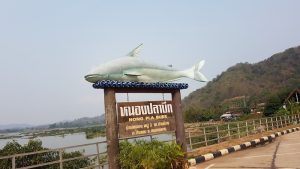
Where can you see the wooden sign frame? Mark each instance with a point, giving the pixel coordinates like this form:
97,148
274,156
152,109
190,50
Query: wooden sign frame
145,118
112,123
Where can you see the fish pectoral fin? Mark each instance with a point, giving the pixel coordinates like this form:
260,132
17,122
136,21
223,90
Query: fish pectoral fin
132,73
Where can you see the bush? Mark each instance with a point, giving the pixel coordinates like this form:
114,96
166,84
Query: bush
282,112
150,155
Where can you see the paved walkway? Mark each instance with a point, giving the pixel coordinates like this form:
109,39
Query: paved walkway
283,153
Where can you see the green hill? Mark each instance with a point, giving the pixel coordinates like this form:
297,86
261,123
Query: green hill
255,81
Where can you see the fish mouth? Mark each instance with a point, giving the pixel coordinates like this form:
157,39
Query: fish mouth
93,77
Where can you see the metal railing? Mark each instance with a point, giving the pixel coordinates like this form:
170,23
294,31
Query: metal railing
208,135
98,155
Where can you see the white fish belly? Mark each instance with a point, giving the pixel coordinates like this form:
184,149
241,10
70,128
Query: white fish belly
155,75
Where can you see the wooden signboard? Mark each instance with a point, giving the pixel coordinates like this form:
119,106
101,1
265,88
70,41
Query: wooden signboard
145,118
149,119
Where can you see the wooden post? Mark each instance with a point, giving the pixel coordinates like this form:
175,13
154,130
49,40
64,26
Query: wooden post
111,128
259,122
205,138
98,154
180,133
267,125
272,123
190,139
285,121
238,127
228,127
218,134
247,130
60,159
13,162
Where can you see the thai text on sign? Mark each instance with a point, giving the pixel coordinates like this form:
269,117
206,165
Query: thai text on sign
145,118
161,108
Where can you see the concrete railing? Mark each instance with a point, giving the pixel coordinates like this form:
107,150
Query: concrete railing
99,155
199,136
208,135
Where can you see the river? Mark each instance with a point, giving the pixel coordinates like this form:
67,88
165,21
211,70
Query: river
66,140
74,139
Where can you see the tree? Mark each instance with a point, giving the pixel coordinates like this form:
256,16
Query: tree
275,101
246,110
13,147
272,105
192,115
293,107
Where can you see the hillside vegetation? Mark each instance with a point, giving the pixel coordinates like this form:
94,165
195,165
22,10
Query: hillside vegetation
257,81
81,122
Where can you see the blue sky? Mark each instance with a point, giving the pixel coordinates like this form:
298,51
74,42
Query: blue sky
46,47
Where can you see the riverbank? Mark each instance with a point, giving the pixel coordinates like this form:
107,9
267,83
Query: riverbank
90,132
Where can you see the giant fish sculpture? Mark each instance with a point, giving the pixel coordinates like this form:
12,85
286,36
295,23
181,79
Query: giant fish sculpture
132,68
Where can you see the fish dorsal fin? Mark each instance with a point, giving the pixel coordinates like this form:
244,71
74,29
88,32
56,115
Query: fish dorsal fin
135,52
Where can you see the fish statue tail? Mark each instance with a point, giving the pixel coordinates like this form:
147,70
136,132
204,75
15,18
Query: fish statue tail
194,72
